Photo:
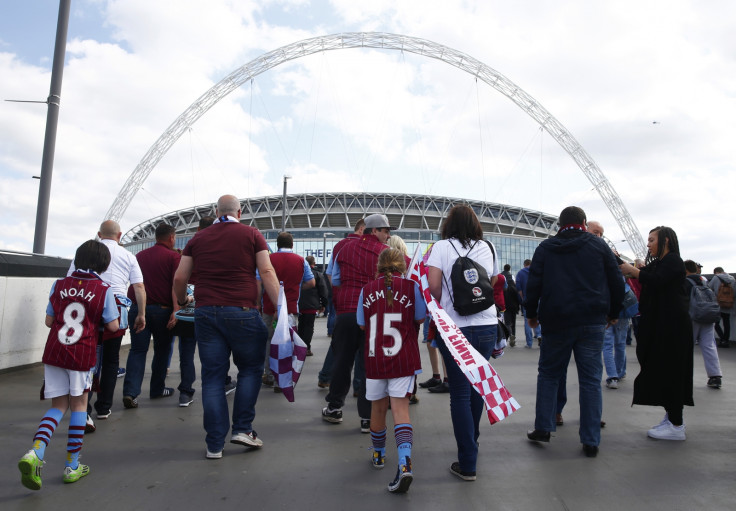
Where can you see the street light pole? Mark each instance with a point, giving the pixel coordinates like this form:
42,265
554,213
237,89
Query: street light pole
283,206
324,248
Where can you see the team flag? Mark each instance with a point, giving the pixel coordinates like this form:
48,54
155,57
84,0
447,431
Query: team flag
288,352
479,372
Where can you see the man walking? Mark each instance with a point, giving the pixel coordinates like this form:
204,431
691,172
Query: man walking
575,289
722,278
353,267
225,257
521,280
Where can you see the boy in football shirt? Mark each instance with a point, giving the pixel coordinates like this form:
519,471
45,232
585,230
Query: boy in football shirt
390,310
78,307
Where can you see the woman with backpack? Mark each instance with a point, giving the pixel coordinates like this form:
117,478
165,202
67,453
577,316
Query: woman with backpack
462,237
665,344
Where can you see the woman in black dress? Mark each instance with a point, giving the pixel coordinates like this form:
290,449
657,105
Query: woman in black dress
665,342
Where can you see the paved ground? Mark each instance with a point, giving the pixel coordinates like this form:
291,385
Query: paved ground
153,457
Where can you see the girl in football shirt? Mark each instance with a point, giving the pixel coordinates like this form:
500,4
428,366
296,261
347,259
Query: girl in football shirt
78,307
390,310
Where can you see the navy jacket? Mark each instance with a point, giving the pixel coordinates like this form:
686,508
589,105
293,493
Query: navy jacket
573,281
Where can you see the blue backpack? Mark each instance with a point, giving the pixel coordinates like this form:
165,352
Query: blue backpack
631,304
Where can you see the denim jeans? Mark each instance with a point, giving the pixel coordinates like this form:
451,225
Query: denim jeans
331,317
187,346
221,331
554,356
529,333
156,319
614,349
466,404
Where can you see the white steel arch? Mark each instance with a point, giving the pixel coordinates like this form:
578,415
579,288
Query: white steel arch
387,42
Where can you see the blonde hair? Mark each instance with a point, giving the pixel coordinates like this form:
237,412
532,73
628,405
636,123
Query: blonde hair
396,242
390,261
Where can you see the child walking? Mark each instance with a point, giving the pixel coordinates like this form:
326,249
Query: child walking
390,310
78,306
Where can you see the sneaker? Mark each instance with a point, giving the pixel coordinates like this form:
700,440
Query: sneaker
121,372
333,416
714,382
666,420
30,470
130,402
591,451
213,455
612,383
403,478
442,388
89,427
365,425
323,384
667,431
267,380
378,460
185,399
432,382
72,475
247,439
539,341
512,340
537,435
465,476
104,415
309,353
230,387
168,392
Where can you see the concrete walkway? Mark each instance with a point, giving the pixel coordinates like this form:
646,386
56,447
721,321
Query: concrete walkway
153,457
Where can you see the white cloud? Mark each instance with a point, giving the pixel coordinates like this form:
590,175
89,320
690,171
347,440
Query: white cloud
385,121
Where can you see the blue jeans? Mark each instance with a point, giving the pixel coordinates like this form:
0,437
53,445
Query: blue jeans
466,405
614,349
529,333
554,356
331,317
221,331
156,319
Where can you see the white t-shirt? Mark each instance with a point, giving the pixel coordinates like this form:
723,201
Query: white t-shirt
443,256
123,268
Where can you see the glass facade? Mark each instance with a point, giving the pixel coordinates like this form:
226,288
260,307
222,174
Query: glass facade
510,249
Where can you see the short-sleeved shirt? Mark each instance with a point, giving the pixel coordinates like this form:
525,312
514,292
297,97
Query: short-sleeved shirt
443,256
354,266
123,268
80,304
391,332
158,265
336,250
291,269
224,260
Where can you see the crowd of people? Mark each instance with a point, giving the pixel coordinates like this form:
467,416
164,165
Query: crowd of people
576,296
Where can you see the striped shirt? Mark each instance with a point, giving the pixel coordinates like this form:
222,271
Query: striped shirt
354,266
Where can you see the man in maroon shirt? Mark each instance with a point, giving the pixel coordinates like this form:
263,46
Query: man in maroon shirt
353,267
158,265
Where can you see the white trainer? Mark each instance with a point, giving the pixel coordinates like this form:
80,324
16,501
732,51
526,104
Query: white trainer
667,431
246,439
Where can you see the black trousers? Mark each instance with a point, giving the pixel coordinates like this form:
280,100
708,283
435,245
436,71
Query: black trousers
108,373
725,334
305,328
347,341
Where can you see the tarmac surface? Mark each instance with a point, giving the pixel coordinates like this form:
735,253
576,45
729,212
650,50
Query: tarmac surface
153,457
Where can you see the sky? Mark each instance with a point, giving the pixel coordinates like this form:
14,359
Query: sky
647,88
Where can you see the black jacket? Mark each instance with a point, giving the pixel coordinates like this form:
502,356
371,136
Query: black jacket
573,281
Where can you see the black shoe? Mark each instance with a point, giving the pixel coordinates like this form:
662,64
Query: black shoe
723,344
591,451
432,382
441,388
465,476
168,392
714,382
537,435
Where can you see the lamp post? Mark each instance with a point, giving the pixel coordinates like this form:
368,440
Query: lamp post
324,248
283,206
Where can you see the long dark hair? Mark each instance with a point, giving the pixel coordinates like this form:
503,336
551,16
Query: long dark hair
664,234
463,225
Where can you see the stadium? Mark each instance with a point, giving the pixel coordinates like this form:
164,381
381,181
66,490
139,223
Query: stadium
319,221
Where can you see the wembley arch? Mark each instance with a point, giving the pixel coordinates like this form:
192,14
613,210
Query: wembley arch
382,41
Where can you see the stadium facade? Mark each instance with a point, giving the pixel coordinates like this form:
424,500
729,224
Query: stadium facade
318,221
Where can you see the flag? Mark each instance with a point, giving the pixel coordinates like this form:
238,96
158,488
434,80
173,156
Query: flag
479,372
288,352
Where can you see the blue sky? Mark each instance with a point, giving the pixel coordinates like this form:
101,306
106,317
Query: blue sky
375,120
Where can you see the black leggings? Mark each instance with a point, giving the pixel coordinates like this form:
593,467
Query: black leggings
674,415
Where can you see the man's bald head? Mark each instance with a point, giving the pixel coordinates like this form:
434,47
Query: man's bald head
595,228
109,230
228,205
